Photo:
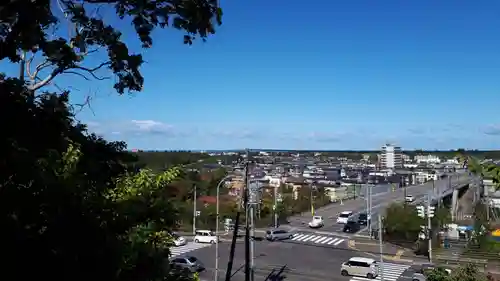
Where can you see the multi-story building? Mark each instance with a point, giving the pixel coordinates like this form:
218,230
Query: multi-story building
390,157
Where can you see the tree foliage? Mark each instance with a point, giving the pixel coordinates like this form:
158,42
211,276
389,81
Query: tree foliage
28,30
72,206
68,200
401,222
466,272
402,225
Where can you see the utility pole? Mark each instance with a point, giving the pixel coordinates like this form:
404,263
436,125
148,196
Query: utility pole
247,224
404,187
486,195
429,231
275,207
436,192
311,200
194,210
252,243
368,194
381,247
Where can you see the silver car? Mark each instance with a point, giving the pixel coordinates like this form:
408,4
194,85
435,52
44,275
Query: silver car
189,263
278,234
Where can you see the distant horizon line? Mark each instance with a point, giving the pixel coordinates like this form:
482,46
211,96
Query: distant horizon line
309,150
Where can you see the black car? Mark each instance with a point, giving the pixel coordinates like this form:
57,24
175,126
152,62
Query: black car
363,219
351,227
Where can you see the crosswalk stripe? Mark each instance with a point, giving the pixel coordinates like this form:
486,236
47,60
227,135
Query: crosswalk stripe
190,246
309,238
390,272
298,237
333,241
327,239
319,240
316,239
303,237
338,242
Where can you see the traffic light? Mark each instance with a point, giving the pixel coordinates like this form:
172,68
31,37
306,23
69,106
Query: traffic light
421,211
431,211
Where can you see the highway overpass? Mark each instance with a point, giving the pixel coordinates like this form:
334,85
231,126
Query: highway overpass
450,189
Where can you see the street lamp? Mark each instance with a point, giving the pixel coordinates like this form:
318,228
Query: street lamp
216,274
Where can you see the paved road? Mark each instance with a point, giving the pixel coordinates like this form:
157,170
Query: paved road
300,262
303,261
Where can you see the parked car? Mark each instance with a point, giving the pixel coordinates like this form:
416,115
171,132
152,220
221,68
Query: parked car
409,198
278,234
317,222
205,236
190,263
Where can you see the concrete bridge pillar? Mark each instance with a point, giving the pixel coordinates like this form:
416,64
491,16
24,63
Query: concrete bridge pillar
454,204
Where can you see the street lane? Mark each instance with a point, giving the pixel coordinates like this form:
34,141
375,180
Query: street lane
311,262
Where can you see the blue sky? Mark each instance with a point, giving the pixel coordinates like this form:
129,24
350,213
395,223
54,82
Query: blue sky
320,74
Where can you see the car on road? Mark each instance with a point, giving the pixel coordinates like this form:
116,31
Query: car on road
190,263
364,218
351,227
421,274
364,267
344,216
205,236
409,198
178,240
316,222
278,234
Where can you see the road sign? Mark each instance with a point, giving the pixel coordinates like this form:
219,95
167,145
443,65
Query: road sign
198,213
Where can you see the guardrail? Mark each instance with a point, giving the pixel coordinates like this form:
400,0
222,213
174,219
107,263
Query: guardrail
451,260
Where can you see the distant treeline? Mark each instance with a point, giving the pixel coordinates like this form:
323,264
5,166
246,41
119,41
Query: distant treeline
160,160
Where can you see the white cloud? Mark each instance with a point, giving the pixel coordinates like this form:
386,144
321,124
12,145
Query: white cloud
132,127
150,125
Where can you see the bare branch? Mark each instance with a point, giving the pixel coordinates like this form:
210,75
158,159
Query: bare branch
47,79
76,73
41,66
92,71
28,66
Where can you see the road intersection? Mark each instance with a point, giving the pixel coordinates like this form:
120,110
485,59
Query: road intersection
317,254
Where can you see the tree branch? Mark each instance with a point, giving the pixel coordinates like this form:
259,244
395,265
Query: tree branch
78,74
47,79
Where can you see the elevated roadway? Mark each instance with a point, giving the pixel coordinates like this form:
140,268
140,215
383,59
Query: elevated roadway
381,198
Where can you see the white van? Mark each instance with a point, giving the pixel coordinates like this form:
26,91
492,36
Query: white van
205,236
364,267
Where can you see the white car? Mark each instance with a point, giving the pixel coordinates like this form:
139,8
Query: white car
344,217
179,240
409,198
317,221
205,236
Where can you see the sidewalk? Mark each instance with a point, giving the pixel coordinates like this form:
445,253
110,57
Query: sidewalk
372,247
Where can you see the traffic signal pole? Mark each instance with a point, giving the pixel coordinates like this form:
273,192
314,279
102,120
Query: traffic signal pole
427,212
429,215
